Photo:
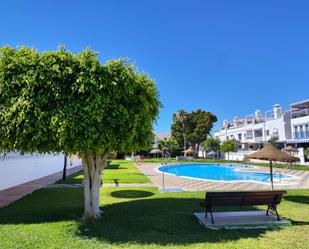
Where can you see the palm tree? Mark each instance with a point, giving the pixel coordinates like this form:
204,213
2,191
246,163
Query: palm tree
181,116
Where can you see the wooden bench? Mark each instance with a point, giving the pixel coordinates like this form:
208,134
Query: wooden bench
248,198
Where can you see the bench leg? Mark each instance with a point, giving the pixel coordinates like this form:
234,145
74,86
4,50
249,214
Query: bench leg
206,213
267,210
212,218
275,209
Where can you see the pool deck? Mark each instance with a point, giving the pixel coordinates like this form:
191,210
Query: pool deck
301,180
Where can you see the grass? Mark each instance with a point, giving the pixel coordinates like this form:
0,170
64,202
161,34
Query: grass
294,167
119,171
138,218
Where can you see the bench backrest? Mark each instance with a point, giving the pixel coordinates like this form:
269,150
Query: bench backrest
247,198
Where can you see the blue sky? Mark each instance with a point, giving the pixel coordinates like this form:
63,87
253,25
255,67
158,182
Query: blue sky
227,57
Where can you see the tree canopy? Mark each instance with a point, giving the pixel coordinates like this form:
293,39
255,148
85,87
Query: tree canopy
57,101
229,146
197,126
273,141
211,143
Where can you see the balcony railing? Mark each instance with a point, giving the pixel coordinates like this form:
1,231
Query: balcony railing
300,134
300,113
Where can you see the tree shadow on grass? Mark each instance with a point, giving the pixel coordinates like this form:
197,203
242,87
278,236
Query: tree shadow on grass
115,166
161,221
131,194
297,198
45,205
151,220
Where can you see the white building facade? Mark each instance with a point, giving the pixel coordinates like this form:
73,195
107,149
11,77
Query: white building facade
289,126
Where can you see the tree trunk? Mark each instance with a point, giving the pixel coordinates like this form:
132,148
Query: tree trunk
93,167
197,149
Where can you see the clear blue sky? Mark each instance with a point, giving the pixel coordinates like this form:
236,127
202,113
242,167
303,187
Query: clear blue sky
227,57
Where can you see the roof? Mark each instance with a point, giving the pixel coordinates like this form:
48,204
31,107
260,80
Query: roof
301,104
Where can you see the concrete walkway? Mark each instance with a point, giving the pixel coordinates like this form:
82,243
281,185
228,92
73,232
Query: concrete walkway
105,185
10,195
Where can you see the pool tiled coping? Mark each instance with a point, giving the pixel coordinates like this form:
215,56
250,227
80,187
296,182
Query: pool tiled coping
300,180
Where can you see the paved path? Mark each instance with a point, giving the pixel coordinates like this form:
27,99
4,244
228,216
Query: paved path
10,195
106,185
171,181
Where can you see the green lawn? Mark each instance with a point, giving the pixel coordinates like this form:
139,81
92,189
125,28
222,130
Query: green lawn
138,218
119,171
295,167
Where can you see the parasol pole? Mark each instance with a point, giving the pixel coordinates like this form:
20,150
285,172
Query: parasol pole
271,175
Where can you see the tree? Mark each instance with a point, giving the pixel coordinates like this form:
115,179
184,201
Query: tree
181,116
273,141
211,143
169,144
228,146
306,152
57,101
195,127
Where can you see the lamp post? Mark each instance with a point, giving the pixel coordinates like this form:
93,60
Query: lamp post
64,172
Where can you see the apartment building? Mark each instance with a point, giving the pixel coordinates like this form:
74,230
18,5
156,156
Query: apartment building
290,126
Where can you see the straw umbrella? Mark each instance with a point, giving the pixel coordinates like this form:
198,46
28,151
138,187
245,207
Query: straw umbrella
271,153
189,151
156,151
290,149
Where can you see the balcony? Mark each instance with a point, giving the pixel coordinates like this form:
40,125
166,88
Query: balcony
300,113
301,134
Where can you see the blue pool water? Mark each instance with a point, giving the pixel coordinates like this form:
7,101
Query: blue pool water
219,172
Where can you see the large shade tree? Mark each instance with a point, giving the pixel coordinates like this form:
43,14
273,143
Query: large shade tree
57,101
195,127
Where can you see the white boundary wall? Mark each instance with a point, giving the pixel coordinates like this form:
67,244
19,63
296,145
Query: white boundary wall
16,169
239,156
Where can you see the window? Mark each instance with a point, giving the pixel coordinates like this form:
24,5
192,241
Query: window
301,131
258,133
249,134
295,132
267,133
239,136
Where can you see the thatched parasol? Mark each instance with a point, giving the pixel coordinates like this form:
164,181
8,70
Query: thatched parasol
155,151
290,149
271,153
189,151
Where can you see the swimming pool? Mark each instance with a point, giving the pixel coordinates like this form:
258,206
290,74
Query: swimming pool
220,172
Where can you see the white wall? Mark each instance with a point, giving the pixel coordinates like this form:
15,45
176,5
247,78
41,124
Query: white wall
234,156
16,169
